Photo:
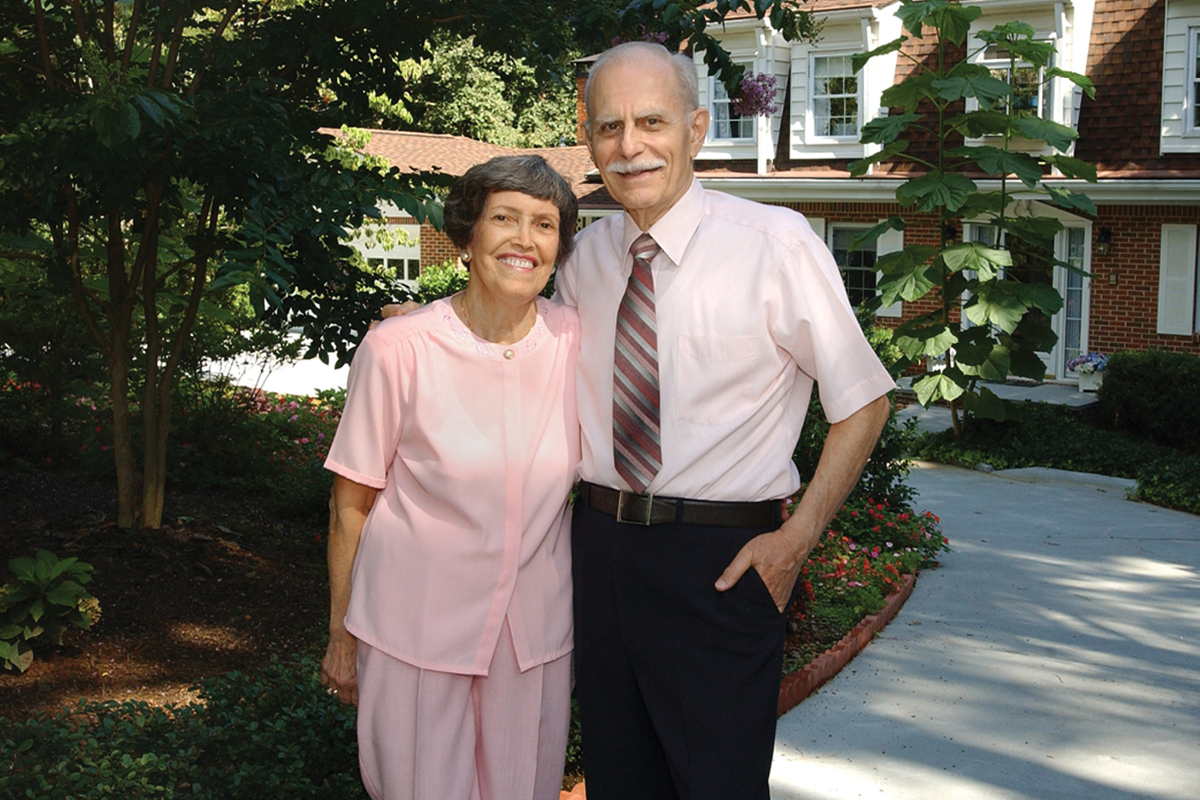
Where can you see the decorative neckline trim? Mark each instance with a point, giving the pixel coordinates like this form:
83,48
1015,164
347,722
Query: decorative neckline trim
463,336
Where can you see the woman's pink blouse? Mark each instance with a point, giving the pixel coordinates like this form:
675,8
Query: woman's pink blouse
474,448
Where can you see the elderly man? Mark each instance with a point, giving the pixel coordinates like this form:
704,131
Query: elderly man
706,319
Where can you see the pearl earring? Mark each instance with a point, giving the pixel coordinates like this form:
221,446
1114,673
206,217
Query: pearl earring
464,256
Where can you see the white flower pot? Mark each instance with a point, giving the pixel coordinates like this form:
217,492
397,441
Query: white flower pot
1090,381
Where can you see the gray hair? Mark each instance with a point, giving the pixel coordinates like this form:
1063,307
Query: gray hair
687,83
529,175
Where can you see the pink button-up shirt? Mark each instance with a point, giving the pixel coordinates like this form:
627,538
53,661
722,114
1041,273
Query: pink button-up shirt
751,311
474,454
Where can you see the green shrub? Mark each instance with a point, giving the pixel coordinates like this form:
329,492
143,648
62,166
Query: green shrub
1154,394
883,477
273,735
1053,436
36,608
441,280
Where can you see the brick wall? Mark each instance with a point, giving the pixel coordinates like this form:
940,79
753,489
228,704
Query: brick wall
1124,288
436,247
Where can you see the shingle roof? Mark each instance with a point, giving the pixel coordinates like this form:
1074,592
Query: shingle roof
822,7
1119,130
411,151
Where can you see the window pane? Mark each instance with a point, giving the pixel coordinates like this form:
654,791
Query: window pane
857,266
725,123
835,97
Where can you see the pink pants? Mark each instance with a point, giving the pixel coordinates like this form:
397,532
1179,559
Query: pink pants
426,735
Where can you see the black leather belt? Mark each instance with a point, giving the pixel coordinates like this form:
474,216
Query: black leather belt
648,509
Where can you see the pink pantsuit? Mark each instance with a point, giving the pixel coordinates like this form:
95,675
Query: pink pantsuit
464,560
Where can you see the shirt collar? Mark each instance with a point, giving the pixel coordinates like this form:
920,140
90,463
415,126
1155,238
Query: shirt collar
674,230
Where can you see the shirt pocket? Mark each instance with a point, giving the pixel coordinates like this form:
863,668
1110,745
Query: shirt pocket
715,383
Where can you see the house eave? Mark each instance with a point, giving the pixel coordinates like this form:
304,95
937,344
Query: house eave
843,189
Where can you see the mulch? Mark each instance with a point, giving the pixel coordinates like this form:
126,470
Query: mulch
222,586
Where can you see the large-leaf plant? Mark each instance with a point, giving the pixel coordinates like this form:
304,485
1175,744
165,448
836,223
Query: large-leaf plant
987,323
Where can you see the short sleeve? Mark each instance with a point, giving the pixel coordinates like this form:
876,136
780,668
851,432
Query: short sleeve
369,430
814,322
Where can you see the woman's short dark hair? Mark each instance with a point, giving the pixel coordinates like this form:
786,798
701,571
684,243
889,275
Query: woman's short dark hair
530,175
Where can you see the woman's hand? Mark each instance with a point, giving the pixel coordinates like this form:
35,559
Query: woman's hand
339,671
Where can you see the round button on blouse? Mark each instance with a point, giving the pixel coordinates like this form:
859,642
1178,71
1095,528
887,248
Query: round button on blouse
508,354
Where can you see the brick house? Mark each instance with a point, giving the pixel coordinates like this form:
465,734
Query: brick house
1142,132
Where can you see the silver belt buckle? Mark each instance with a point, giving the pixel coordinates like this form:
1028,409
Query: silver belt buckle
621,507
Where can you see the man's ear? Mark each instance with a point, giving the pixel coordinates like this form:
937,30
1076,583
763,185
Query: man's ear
698,130
587,138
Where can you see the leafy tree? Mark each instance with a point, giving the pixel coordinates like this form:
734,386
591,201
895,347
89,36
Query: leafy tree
465,90
157,150
1005,319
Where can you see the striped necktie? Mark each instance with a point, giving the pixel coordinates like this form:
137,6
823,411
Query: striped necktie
637,451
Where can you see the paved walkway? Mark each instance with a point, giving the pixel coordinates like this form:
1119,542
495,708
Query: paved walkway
1055,654
937,418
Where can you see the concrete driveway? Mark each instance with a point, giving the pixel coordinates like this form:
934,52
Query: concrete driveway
1054,654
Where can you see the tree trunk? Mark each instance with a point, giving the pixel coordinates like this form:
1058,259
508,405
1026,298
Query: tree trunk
118,370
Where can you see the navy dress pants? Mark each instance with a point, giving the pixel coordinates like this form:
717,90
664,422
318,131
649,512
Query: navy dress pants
678,684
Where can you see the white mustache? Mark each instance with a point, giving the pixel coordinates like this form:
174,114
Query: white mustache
626,167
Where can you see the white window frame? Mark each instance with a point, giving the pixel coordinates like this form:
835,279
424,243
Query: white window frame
404,258
1191,94
811,107
1048,107
743,122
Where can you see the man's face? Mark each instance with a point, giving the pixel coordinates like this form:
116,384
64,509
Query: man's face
642,138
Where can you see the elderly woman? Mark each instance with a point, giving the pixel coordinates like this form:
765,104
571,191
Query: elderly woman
449,553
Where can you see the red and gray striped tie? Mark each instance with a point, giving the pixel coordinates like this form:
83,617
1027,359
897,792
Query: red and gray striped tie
637,451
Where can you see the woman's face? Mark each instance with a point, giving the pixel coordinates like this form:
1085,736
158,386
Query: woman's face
514,245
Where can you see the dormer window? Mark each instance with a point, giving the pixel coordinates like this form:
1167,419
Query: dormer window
726,124
835,100
1031,94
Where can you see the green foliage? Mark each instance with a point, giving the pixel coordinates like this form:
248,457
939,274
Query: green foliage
883,477
1154,395
1008,307
36,608
1053,436
462,89
441,280
276,734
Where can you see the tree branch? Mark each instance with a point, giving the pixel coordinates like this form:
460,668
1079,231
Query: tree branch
148,247
173,50
77,292
110,15
212,44
154,57
199,276
52,78
130,37
80,30
43,41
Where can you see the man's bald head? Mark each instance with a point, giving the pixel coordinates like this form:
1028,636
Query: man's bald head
682,67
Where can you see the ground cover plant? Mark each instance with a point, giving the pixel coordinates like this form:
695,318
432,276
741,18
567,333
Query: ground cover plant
1053,436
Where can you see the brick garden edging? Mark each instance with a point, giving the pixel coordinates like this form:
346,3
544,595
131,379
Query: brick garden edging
801,683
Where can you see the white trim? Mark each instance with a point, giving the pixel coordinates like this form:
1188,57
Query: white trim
1177,280
875,190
